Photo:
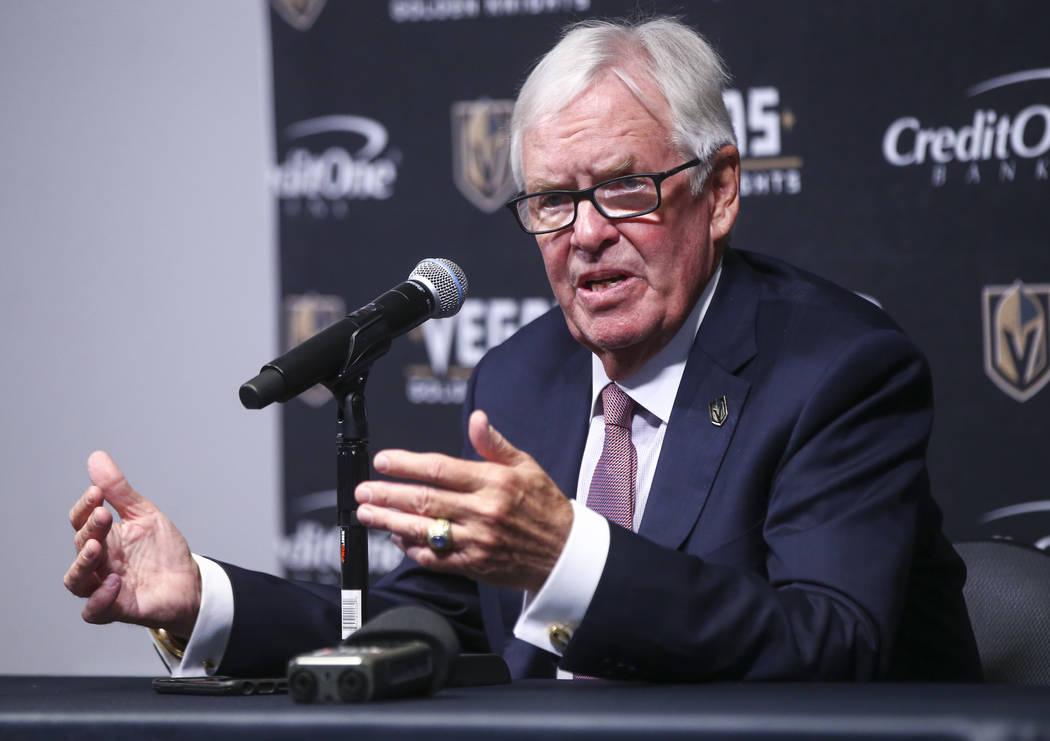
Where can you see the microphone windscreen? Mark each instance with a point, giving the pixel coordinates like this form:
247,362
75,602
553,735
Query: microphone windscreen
445,280
413,623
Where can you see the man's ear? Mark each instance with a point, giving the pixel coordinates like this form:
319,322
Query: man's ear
724,184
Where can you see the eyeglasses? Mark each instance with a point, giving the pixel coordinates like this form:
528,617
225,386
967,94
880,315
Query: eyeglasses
621,197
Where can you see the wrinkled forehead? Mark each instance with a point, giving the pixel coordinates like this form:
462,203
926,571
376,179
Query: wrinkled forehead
551,90
631,77
612,125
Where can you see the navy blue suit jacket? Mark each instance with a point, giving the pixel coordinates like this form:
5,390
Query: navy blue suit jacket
798,540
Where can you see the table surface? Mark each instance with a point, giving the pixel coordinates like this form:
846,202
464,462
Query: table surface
127,707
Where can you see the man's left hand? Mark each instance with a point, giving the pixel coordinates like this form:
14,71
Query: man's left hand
509,519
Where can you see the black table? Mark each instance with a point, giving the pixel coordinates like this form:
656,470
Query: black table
127,707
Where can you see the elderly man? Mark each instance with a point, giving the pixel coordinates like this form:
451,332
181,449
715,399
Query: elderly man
706,465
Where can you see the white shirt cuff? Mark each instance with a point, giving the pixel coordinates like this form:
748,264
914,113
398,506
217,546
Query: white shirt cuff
211,632
564,598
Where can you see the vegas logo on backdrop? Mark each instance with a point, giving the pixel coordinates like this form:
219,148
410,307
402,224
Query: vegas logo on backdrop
481,152
1016,340
1015,322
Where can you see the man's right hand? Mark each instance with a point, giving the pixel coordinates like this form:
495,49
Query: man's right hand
138,570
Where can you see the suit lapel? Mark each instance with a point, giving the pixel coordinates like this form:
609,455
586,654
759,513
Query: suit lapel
692,451
694,445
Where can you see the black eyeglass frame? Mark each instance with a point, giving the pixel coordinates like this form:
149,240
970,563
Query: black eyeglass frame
588,194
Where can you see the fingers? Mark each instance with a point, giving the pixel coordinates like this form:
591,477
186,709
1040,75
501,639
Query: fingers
113,486
454,473
80,578
96,527
442,483
97,608
490,444
419,499
91,498
406,528
433,468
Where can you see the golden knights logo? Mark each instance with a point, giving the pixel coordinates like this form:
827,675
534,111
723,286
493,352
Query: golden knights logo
718,411
1016,345
304,316
481,152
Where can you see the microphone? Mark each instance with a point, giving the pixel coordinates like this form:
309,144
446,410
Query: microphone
435,287
404,651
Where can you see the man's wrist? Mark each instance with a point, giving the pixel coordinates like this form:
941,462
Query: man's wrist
562,528
551,614
203,649
181,629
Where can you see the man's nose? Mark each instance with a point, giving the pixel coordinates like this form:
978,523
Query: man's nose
591,231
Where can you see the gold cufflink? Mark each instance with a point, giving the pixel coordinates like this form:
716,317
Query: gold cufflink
560,634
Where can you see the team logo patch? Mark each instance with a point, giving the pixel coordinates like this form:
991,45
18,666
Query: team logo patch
305,315
1016,344
481,152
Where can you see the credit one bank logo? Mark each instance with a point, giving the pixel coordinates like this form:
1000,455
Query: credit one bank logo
1002,134
311,550
332,161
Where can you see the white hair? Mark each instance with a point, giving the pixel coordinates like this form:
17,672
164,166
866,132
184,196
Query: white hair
661,51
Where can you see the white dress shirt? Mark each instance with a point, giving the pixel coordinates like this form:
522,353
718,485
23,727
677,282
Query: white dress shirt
565,596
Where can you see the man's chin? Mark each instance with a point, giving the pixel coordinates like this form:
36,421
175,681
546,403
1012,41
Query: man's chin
605,340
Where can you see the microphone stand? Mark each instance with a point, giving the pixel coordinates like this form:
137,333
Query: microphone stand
351,443
352,468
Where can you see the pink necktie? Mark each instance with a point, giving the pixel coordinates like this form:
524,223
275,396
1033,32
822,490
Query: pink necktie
612,488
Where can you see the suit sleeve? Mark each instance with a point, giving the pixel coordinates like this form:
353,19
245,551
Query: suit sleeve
846,504
275,619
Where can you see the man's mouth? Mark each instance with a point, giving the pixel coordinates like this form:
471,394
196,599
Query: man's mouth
601,284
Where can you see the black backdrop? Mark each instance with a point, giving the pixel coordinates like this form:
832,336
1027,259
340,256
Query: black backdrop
900,149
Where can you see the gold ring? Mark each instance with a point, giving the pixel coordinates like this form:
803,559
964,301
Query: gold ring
439,534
